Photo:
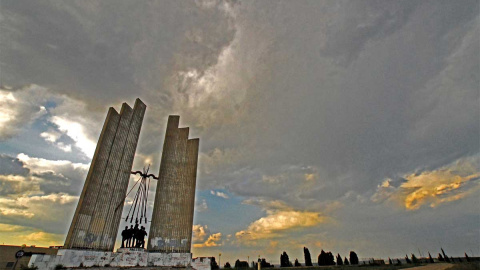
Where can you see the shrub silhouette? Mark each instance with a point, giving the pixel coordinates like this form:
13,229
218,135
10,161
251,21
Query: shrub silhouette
466,257
414,259
241,264
440,258
445,256
263,264
339,260
326,258
353,258
213,263
284,260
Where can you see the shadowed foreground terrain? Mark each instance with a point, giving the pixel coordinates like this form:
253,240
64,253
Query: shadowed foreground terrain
465,266
434,266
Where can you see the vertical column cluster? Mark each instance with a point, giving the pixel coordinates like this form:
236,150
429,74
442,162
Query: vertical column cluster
97,217
172,218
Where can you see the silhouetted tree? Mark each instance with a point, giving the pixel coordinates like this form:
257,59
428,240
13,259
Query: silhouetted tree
308,259
353,258
297,263
339,259
263,264
326,258
331,258
466,257
445,256
346,262
398,262
321,258
284,260
213,263
241,264
390,261
451,259
430,259
227,265
440,258
407,259
414,259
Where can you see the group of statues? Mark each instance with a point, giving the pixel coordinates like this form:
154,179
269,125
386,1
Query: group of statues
133,237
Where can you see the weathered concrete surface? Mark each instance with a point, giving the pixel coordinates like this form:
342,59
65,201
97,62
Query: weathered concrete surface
97,217
86,204
122,258
172,217
123,175
201,263
191,172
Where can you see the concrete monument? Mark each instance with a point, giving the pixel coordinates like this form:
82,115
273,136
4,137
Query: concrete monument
172,218
97,217
91,238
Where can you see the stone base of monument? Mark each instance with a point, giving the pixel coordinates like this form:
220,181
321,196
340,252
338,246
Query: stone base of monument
124,257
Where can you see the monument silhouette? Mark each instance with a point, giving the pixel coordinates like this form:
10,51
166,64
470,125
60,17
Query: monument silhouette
91,238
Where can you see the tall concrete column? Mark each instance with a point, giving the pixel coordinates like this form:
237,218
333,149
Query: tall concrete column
96,219
123,175
191,176
172,217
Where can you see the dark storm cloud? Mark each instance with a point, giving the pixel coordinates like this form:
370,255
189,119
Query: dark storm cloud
106,51
58,183
11,165
381,116
39,176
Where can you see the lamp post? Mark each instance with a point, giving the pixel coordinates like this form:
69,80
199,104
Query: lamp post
259,263
219,260
248,261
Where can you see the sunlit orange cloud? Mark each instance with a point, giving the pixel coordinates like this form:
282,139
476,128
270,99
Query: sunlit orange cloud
199,232
212,241
433,187
428,186
278,221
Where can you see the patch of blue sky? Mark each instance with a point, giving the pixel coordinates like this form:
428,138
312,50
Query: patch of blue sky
29,142
227,216
50,104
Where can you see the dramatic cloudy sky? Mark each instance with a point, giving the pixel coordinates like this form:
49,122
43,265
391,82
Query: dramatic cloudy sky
336,125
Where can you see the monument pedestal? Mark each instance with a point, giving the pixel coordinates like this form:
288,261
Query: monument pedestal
124,257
